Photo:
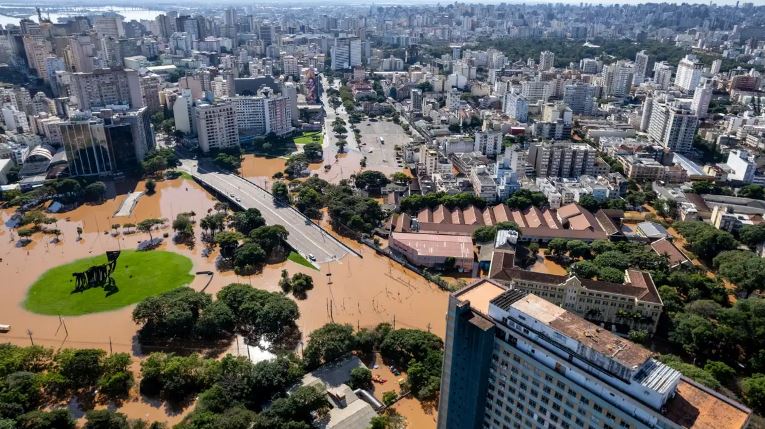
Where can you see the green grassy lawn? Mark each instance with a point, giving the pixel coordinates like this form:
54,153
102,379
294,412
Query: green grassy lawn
299,259
307,137
137,276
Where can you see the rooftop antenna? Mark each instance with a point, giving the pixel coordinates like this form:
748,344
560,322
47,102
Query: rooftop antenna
39,14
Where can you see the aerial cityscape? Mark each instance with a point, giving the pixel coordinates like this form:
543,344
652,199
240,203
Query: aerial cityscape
349,215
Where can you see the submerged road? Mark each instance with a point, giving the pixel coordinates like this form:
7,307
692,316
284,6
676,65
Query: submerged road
306,237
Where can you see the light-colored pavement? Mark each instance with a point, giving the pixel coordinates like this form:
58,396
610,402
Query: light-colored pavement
129,204
305,237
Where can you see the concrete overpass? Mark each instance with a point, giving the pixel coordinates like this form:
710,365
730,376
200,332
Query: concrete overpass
305,236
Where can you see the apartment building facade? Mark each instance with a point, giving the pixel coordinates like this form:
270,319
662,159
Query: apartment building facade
514,360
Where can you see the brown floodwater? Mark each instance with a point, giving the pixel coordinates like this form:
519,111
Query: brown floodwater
261,166
361,291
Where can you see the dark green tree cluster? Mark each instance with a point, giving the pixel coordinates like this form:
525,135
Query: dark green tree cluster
752,235
295,165
183,314
371,181
743,268
756,192
523,199
313,151
347,209
159,160
310,197
605,260
709,333
259,314
32,377
420,353
298,285
229,160
414,203
705,240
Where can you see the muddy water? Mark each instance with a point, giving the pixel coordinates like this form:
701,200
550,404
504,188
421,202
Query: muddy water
545,265
259,166
360,291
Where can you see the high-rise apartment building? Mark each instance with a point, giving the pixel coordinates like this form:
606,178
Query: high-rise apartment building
535,91
589,66
346,53
672,125
150,86
688,73
546,60
107,142
617,79
263,114
515,360
515,106
37,49
562,159
662,75
106,87
109,26
487,142
183,112
702,96
216,126
641,67
580,97
290,66
416,99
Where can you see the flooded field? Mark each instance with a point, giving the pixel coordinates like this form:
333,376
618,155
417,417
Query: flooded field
362,291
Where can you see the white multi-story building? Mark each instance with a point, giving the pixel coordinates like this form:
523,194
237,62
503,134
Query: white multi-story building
183,112
546,60
346,53
563,159
216,126
263,114
688,73
641,67
516,106
617,78
488,143
672,125
580,97
702,96
662,75
535,91
290,66
742,166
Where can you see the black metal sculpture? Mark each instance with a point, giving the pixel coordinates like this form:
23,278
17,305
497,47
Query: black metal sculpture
98,275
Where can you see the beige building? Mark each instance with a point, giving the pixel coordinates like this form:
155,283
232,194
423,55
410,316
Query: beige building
105,87
216,126
636,304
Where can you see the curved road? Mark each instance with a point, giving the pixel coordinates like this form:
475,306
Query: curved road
305,237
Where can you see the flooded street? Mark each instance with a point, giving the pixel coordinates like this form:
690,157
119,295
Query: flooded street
359,291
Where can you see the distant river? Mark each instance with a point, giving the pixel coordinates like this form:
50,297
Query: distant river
129,13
